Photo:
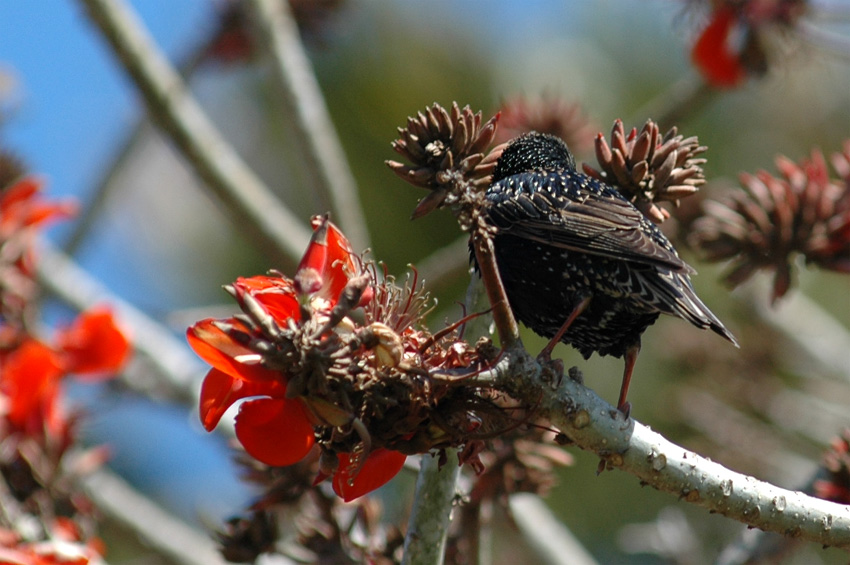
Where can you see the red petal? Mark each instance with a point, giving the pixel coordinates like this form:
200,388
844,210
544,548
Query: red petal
220,391
340,265
381,466
30,379
94,344
218,349
712,55
20,205
275,431
330,254
276,294
316,259
21,191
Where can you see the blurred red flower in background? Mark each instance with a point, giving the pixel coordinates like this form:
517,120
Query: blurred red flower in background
30,374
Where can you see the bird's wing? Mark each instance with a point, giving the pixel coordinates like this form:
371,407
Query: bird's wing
597,224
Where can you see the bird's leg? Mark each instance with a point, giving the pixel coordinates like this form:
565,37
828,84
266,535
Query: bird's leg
546,354
630,358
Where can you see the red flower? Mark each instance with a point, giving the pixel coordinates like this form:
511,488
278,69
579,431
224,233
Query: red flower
54,552
93,347
714,56
20,207
381,466
29,379
276,426
741,37
30,374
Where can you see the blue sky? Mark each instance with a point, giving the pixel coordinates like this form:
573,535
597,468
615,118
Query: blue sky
71,101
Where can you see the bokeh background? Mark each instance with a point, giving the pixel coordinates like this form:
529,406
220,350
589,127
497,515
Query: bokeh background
160,241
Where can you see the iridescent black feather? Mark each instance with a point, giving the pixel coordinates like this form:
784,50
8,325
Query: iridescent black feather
563,237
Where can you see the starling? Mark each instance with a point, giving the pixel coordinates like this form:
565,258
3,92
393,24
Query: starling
579,263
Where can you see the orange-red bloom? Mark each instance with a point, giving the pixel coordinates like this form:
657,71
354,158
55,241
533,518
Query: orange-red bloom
276,423
714,55
735,44
30,374
21,206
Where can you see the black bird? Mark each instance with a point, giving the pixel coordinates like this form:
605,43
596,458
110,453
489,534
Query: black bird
579,263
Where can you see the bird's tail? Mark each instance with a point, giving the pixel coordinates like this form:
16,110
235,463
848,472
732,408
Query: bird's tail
685,303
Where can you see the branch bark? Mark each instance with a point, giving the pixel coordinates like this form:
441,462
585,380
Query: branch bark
302,99
168,535
594,425
250,203
177,370
428,526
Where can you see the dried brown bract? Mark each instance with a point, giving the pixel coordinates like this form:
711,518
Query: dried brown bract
771,219
11,169
546,114
446,150
648,168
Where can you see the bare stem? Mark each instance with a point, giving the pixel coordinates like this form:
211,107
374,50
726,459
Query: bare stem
251,204
503,317
684,98
550,540
303,100
428,526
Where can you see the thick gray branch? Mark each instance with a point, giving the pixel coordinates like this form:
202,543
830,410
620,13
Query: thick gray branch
596,426
428,526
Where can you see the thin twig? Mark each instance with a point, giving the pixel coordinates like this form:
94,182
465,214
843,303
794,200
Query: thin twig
253,207
594,425
169,536
550,540
100,195
683,98
503,317
823,340
303,100
105,185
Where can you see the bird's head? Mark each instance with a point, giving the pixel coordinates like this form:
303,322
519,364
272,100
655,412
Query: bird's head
533,152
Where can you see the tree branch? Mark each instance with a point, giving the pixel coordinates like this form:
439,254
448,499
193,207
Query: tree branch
251,204
503,317
596,426
177,369
550,540
821,338
303,100
428,526
168,535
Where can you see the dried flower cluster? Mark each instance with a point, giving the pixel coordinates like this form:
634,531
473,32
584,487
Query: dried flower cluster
446,152
545,114
324,530
518,461
44,518
836,486
770,220
647,168
335,358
